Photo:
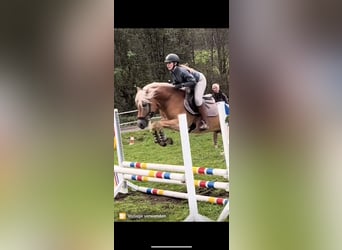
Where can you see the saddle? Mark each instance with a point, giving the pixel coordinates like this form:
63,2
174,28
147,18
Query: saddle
208,101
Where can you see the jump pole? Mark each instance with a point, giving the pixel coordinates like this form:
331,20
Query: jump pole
190,185
176,168
225,139
179,195
224,132
198,183
119,180
151,173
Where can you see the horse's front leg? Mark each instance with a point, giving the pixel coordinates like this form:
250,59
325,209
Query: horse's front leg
159,134
171,124
156,136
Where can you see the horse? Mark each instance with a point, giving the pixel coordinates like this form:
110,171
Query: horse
169,102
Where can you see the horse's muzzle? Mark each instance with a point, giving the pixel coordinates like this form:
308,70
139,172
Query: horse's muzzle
142,123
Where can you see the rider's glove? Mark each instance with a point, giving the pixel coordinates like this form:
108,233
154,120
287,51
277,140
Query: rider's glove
178,85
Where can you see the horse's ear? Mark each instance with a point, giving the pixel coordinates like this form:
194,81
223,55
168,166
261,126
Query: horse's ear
138,89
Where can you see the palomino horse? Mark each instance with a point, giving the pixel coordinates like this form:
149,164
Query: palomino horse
169,102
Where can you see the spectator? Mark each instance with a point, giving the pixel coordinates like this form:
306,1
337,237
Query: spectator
219,96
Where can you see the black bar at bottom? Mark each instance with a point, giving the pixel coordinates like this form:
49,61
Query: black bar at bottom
170,235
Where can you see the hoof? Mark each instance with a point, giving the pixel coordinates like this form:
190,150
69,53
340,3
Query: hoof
169,141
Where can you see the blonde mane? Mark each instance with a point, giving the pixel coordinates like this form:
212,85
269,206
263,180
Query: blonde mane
149,91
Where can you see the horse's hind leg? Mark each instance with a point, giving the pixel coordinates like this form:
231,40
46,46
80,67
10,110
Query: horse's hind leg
215,138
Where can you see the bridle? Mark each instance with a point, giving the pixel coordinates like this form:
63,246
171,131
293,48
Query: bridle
149,114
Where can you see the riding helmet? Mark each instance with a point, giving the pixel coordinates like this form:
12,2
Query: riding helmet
172,58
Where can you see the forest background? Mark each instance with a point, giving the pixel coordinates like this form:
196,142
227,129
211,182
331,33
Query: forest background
139,56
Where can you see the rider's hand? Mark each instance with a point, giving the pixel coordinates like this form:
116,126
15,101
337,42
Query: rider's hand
178,85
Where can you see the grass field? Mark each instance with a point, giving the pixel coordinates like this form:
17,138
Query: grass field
144,207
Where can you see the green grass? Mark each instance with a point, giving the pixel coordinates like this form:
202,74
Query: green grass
136,204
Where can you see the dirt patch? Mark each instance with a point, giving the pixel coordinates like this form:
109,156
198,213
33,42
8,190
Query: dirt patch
154,199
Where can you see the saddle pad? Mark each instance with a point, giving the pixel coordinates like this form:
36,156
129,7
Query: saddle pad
209,104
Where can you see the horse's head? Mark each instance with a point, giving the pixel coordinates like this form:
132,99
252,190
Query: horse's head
146,106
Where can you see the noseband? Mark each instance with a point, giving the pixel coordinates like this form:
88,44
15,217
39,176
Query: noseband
149,114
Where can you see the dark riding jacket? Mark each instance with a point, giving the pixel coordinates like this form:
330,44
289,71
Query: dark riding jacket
220,96
181,77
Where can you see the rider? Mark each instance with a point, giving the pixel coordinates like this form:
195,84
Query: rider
184,76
